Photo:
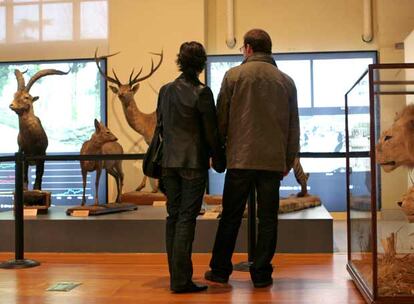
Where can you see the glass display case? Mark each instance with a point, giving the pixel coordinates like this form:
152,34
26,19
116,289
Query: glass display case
380,234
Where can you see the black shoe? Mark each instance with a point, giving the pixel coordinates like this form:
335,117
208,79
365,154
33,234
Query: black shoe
262,284
191,288
211,276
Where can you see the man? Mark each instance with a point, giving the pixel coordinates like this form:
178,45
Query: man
258,121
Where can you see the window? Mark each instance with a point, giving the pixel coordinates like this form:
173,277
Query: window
58,22
2,23
329,92
93,20
300,71
321,79
23,21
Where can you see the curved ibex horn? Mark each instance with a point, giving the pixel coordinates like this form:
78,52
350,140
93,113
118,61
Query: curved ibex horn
20,79
43,73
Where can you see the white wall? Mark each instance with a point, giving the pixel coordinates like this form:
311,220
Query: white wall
137,28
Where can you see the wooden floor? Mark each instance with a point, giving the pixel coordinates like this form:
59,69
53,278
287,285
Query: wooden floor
143,278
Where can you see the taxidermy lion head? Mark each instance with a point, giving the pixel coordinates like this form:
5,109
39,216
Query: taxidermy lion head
407,203
395,147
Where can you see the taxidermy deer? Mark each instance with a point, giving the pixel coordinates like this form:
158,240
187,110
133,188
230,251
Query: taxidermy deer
102,142
32,138
141,122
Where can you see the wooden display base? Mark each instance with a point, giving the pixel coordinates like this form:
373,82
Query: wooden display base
213,199
148,198
100,209
35,210
142,197
288,204
293,203
360,203
36,200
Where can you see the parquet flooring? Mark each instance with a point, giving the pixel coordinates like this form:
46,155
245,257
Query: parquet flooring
143,278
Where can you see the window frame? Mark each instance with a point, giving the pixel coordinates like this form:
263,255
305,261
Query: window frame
10,37
311,111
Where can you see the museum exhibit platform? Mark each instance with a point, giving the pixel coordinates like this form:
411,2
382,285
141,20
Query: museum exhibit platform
142,230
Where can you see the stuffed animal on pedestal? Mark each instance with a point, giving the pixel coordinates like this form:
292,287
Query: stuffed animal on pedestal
32,138
102,141
143,123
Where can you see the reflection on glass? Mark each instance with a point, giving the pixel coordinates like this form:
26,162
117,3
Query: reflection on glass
334,77
2,23
359,135
299,70
359,96
360,217
325,133
25,1
26,22
322,133
94,20
57,21
395,256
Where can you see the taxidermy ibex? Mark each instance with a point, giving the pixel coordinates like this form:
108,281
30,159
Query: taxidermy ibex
141,122
102,142
32,138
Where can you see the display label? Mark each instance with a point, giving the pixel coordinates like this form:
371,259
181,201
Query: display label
159,203
80,213
211,215
29,212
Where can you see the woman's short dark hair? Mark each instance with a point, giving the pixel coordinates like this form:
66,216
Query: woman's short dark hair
192,58
259,40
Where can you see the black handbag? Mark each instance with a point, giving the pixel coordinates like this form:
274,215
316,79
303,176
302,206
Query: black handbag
151,166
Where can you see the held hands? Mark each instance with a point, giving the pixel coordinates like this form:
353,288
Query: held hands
286,172
218,165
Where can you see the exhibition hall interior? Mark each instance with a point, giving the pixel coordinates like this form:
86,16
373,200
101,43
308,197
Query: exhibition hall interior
81,223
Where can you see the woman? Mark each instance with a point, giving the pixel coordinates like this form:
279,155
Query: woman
187,114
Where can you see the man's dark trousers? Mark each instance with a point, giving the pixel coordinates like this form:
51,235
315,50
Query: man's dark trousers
237,185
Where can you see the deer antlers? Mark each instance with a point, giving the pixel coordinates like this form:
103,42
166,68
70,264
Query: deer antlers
132,79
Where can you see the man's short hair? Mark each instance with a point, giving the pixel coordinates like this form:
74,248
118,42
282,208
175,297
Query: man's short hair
259,40
192,58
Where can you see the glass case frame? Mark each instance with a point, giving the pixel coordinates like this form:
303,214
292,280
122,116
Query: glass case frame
366,277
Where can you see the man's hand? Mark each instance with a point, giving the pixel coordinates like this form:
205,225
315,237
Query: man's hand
219,165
